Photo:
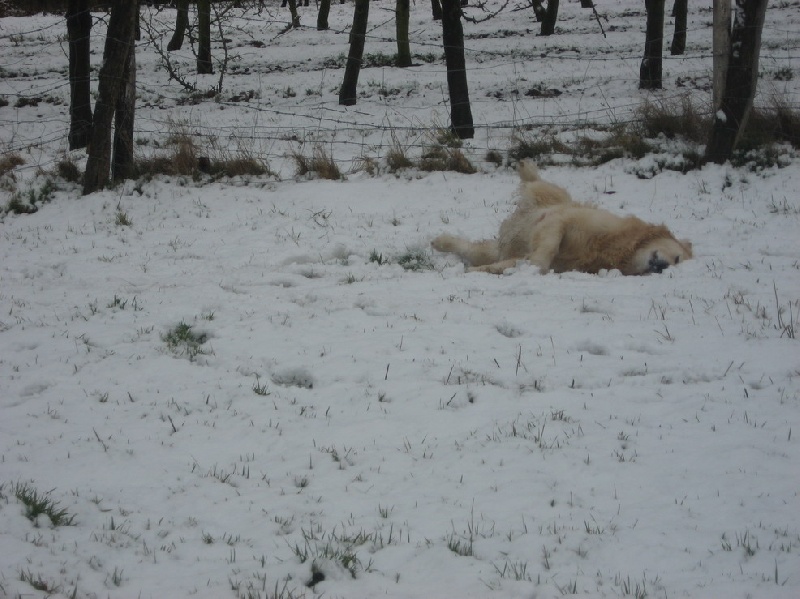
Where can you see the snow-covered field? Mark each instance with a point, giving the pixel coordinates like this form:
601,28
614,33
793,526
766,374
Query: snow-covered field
345,427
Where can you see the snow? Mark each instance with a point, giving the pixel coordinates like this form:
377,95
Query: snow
391,432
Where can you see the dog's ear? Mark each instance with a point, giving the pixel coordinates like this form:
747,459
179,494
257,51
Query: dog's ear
687,245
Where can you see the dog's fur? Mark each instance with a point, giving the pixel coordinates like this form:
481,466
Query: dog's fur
553,232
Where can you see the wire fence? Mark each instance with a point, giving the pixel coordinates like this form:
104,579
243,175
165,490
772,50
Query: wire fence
560,83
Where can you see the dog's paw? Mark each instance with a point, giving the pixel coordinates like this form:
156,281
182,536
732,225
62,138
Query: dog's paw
498,268
445,243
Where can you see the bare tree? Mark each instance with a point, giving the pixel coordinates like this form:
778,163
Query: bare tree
79,29
181,25
116,55
347,93
650,68
453,40
204,65
740,80
679,11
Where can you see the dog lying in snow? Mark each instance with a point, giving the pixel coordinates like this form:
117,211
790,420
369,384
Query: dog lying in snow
553,232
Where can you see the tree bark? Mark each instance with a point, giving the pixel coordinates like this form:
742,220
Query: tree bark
436,10
550,17
650,69
79,29
204,66
453,40
322,15
347,93
720,47
181,25
539,11
122,159
119,44
740,80
402,15
295,16
679,11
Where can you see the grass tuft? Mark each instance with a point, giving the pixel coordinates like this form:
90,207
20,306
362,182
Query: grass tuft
320,163
184,157
10,161
37,504
184,341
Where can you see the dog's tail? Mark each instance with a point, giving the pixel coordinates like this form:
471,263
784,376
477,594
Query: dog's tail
535,193
528,171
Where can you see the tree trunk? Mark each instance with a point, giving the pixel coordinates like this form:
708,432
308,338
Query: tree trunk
720,47
679,11
436,10
587,4
322,15
347,93
740,80
650,69
181,25
204,66
539,11
293,13
453,40
79,28
402,14
119,44
122,160
550,17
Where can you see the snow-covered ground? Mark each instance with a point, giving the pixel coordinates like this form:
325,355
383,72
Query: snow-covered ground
383,431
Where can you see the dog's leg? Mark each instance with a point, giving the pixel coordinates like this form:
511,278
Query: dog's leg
496,268
546,241
474,253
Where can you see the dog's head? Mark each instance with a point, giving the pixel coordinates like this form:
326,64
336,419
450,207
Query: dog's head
659,254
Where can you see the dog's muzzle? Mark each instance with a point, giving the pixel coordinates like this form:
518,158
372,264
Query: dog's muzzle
657,265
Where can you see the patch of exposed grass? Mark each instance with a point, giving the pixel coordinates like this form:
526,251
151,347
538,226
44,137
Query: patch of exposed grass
28,202
38,582
183,341
37,504
415,260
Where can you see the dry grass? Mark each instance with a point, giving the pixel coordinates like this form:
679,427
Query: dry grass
676,118
68,170
777,122
320,163
185,158
10,161
441,158
397,159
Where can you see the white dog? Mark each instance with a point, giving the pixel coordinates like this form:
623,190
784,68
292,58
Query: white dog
553,232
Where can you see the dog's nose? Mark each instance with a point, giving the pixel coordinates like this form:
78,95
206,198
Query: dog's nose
657,265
